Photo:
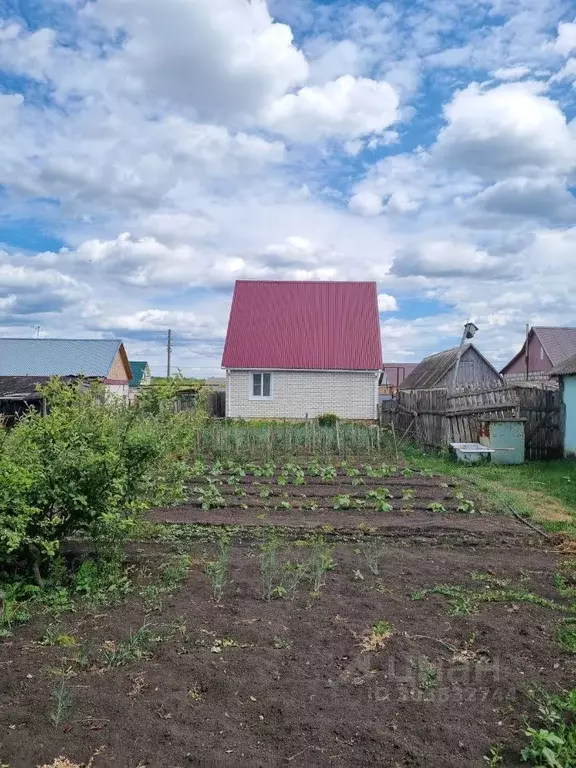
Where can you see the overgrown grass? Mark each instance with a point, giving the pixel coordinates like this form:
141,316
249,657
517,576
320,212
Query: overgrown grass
545,490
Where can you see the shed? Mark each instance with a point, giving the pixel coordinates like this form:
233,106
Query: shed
297,349
437,371
20,393
566,373
103,359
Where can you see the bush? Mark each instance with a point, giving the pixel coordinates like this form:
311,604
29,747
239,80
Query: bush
86,466
327,420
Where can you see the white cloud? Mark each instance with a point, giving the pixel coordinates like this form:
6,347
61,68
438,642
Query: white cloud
366,203
565,43
222,58
348,107
508,130
387,303
26,53
511,73
448,259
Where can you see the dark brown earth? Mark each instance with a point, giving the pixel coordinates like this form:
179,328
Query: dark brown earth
295,687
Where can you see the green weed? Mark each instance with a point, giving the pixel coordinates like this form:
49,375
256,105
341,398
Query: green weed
134,648
553,744
63,703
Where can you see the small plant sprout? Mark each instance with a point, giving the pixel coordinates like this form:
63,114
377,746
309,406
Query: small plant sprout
376,639
320,562
426,673
342,501
465,506
209,496
218,569
63,702
373,550
328,473
269,566
353,472
435,506
408,494
285,505
134,648
264,492
378,499
494,758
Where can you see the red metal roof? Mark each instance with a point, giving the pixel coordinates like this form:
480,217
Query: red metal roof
303,325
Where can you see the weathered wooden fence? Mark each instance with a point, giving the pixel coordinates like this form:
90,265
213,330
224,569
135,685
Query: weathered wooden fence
437,417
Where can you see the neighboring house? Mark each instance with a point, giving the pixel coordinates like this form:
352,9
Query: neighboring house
300,349
19,394
547,347
103,359
566,373
215,384
141,377
437,371
392,375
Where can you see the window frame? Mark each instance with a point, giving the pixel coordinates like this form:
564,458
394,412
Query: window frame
261,396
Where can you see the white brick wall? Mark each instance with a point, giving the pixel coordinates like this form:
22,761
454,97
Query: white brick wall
348,394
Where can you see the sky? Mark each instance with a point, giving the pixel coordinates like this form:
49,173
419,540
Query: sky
154,151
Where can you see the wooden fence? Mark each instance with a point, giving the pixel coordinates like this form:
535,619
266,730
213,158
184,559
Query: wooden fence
437,417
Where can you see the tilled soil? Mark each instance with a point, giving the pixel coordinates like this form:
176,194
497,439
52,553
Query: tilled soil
250,682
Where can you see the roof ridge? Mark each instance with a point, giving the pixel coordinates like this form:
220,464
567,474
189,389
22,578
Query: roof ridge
51,338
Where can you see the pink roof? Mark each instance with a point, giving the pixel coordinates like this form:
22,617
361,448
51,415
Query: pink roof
558,343
303,325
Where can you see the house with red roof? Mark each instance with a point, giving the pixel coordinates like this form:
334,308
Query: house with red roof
299,349
546,347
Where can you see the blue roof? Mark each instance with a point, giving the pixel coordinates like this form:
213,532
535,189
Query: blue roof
57,357
137,367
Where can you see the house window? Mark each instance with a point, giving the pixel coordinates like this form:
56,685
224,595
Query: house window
261,387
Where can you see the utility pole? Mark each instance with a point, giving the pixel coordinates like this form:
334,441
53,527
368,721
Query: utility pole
527,352
37,331
168,354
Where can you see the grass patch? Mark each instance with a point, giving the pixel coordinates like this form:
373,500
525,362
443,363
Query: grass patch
463,601
544,490
134,648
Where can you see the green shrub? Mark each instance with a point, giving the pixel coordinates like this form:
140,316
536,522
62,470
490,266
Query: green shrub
87,466
327,420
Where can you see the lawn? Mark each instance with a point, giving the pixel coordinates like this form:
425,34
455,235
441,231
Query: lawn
305,614
545,491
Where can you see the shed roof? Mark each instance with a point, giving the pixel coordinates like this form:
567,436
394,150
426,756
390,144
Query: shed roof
23,387
565,368
57,357
429,372
558,343
433,368
138,368
304,325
